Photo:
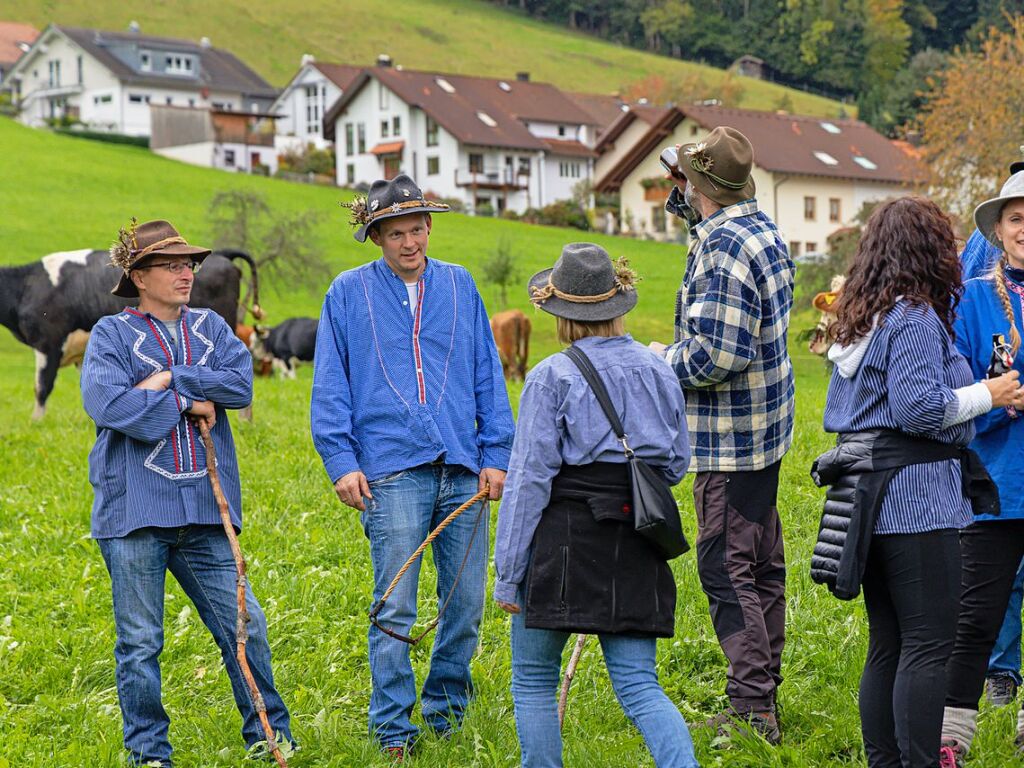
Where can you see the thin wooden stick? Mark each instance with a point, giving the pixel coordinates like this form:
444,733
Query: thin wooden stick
570,673
241,628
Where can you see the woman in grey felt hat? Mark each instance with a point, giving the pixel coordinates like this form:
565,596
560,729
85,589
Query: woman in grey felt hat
991,547
567,556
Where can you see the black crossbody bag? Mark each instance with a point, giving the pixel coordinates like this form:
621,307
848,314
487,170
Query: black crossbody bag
655,513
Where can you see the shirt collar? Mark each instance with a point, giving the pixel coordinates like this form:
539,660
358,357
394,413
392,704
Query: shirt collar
718,218
385,270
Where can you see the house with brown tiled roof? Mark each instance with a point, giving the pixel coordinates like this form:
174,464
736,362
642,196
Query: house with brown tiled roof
15,39
307,97
107,80
813,175
493,144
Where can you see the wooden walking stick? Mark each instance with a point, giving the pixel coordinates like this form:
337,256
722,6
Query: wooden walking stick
241,628
570,673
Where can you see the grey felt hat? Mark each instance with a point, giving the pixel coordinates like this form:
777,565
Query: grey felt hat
389,198
585,285
987,214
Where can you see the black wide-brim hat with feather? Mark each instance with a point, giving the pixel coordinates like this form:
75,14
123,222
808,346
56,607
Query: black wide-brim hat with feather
140,241
387,199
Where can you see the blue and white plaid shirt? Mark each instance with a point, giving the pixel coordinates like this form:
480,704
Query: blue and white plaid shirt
730,355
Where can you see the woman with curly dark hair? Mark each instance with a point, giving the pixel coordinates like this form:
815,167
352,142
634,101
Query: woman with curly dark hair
902,400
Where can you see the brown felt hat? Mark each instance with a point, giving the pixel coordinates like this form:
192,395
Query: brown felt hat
139,242
720,166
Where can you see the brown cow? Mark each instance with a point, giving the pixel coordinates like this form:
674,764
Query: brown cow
511,330
821,338
261,364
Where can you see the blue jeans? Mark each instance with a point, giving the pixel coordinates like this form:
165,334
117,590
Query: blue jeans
405,507
536,665
200,559
1005,658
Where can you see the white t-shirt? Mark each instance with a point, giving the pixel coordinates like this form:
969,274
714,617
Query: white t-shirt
412,289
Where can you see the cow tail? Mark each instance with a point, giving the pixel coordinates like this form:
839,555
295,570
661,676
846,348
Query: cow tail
253,287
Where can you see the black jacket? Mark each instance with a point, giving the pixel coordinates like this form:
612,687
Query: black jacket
590,571
858,471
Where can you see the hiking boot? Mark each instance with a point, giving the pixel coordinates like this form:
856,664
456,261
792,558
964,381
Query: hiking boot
763,724
1000,689
951,755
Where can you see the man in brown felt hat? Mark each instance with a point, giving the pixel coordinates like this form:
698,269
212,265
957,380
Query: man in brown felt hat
730,355
148,374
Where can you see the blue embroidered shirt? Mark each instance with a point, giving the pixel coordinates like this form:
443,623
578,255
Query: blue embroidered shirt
148,466
906,382
394,389
561,422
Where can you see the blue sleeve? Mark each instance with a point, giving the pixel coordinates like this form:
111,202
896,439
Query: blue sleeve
974,342
227,380
536,459
331,399
110,397
723,327
494,423
917,397
680,458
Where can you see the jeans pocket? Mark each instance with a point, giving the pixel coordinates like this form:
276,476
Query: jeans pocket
389,478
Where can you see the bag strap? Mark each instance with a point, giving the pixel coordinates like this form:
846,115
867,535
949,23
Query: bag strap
593,378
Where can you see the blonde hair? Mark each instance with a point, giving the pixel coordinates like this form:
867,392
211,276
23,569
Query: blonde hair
574,330
999,277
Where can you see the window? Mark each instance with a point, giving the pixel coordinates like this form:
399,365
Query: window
54,73
170,101
139,98
433,166
229,158
145,62
524,166
809,214
396,126
476,163
486,119
561,130
384,126
383,96
826,158
569,170
191,102
432,139
350,174
444,85
105,98
835,209
812,247
693,130
361,132
658,218
217,105
830,127
794,248
312,109
178,65
350,139
80,70
864,163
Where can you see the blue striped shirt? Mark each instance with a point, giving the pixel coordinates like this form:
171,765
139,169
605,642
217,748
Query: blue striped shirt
148,466
906,382
561,422
394,389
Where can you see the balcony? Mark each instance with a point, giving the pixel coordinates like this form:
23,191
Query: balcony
237,136
500,178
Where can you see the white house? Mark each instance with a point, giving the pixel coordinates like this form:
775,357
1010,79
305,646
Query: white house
493,144
227,139
812,174
302,104
107,80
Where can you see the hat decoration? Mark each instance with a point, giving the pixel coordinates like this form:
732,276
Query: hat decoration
125,251
364,213
702,162
626,279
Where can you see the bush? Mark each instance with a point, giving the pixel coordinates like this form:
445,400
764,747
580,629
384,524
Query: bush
562,213
484,210
309,159
509,215
110,138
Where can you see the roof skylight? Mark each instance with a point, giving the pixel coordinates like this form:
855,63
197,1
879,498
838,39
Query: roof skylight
444,85
826,158
486,119
504,86
863,162
830,127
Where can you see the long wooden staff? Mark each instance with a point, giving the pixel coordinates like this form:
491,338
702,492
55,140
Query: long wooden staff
570,673
241,628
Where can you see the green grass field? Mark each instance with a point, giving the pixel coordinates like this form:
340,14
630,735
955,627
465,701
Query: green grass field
460,36
308,558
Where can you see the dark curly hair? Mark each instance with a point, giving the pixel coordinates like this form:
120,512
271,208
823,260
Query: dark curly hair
907,249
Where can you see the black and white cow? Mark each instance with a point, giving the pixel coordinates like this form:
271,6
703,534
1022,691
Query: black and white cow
286,344
44,303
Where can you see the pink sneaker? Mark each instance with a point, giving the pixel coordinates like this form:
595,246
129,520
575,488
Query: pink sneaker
951,755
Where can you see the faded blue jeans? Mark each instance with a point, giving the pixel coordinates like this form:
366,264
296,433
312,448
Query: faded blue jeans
1005,658
199,557
405,508
536,665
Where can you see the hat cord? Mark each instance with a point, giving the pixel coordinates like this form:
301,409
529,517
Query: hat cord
158,245
543,293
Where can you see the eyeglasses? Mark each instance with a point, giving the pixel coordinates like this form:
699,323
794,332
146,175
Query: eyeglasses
175,267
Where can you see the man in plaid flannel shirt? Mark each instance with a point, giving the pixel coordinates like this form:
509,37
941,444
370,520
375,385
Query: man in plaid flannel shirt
731,318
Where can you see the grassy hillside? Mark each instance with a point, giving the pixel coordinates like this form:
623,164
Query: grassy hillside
462,36
308,556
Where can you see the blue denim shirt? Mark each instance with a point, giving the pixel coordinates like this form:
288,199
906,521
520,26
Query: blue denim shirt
394,389
561,422
148,466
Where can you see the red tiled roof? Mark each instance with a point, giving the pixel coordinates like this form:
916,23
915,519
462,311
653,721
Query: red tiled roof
342,75
12,33
388,148
569,148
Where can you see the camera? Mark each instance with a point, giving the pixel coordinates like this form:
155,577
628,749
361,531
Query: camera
669,159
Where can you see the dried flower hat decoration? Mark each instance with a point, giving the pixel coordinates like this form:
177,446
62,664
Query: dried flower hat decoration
124,249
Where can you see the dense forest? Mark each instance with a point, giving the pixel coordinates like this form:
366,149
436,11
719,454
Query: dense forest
878,54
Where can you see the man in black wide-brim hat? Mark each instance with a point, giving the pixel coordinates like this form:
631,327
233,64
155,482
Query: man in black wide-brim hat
411,418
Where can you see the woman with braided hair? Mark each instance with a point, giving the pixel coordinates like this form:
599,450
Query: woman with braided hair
991,547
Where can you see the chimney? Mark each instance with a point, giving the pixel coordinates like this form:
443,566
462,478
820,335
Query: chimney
307,58
204,42
523,77
383,60
133,27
